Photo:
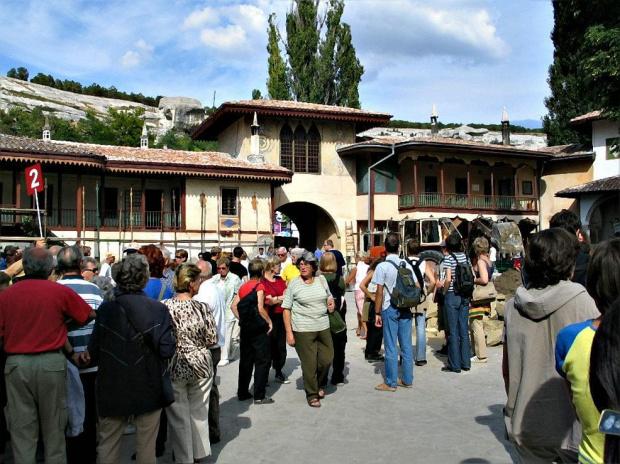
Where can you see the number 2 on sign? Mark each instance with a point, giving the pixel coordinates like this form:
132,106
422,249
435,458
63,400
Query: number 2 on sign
33,179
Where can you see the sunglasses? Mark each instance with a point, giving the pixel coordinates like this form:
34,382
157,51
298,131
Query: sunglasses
222,268
281,254
178,257
93,270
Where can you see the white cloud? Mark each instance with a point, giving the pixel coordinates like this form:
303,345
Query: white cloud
229,39
131,59
134,58
199,18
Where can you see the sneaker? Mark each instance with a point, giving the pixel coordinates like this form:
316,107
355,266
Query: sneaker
281,379
223,362
385,387
400,383
421,362
476,359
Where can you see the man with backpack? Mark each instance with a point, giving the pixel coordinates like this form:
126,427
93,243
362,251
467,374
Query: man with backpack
420,269
458,289
396,288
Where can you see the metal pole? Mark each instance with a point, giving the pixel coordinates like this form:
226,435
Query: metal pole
369,193
97,243
83,212
131,212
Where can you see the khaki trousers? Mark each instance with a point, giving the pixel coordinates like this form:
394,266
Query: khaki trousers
478,338
111,434
35,386
316,353
188,418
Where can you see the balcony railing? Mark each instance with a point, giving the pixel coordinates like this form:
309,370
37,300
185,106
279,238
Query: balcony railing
154,220
459,201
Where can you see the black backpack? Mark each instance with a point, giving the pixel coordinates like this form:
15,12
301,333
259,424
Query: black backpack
418,274
250,321
405,293
463,280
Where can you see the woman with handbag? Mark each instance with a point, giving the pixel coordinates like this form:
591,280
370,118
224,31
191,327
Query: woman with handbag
306,304
254,343
478,308
191,368
132,342
336,286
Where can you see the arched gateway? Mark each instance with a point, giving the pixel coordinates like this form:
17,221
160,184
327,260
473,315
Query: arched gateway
314,224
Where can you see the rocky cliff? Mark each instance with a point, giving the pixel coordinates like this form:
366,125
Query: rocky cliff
179,113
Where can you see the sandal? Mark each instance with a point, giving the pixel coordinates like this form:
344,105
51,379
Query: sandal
265,400
314,403
321,394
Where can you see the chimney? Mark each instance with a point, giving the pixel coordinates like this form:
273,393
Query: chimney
47,133
254,139
434,125
144,138
505,128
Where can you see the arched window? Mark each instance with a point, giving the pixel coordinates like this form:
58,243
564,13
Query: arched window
286,147
300,151
314,149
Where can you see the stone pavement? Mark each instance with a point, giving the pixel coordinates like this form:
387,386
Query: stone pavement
444,418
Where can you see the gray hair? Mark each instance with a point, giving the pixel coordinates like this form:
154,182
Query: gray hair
205,268
38,262
86,260
105,285
297,252
282,250
361,255
69,259
132,273
165,251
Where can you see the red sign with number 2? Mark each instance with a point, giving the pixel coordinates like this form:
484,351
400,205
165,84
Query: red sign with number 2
34,179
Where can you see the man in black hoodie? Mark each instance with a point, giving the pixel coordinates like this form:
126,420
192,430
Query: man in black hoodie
570,222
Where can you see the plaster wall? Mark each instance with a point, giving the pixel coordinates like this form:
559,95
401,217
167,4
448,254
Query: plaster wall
604,165
556,177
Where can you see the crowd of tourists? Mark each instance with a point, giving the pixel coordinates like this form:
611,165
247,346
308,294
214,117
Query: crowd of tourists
92,352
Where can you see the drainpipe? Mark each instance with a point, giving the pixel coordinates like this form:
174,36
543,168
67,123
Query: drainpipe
370,168
540,209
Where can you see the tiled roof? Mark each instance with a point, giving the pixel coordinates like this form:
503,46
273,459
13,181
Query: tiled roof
230,112
608,184
302,106
447,143
571,151
591,116
130,159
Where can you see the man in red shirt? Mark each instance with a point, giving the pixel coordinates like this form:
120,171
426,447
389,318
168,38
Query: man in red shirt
33,330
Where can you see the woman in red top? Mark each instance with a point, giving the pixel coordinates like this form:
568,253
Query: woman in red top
275,288
254,346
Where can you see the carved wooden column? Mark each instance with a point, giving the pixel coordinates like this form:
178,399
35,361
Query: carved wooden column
143,203
492,189
516,190
415,182
443,190
79,206
468,187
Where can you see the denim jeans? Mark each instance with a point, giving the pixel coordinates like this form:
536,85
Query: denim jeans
420,336
397,326
457,313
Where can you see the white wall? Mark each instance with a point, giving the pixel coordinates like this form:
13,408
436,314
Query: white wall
601,131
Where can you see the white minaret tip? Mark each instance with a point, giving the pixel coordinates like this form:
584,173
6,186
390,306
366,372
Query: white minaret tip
505,115
434,111
255,122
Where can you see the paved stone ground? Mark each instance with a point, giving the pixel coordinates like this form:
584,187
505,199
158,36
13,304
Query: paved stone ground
444,418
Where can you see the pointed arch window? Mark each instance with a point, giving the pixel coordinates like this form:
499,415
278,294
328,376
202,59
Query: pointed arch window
300,150
286,147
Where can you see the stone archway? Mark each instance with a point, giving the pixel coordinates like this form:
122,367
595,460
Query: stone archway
314,224
602,217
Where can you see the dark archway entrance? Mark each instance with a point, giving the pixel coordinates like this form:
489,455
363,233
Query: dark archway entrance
313,223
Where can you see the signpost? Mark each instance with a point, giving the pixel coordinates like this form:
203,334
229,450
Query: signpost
34,185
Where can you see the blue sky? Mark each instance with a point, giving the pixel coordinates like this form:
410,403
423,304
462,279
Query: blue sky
469,57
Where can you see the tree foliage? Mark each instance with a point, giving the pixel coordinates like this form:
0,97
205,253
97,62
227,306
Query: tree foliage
19,73
584,75
321,64
182,141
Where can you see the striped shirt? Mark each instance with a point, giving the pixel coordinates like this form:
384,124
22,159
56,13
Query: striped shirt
450,263
308,304
92,295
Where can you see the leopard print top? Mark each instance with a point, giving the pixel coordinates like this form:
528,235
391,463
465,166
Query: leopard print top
194,330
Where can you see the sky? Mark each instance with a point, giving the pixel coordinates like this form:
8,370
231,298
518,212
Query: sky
471,58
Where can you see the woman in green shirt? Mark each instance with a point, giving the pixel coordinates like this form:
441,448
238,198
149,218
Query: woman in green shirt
305,305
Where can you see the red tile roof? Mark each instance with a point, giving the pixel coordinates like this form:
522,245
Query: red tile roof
229,112
130,159
608,184
449,144
591,116
571,151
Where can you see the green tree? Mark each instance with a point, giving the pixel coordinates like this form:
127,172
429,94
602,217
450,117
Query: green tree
182,141
20,73
321,65
584,74
277,83
256,94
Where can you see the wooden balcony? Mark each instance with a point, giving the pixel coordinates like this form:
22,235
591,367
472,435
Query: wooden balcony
458,202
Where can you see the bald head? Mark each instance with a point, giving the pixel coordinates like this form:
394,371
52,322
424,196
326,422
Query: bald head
206,271
38,262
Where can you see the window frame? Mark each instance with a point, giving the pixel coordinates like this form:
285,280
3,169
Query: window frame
226,213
